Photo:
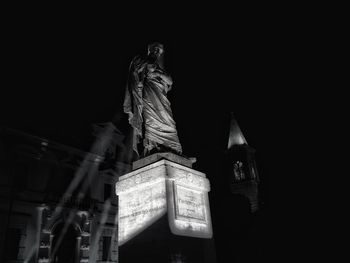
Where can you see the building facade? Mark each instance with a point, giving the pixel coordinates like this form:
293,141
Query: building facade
57,202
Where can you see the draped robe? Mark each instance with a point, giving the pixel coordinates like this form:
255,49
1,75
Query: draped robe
148,107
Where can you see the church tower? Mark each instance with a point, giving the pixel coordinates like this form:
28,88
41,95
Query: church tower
241,167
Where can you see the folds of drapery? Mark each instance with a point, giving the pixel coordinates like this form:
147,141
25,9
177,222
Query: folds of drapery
133,103
160,127
148,107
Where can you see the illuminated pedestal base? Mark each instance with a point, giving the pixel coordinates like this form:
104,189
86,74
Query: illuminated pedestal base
162,202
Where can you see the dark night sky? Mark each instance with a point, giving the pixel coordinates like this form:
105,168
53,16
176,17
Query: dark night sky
60,75
63,76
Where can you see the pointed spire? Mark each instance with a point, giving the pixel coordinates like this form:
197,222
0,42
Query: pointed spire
236,136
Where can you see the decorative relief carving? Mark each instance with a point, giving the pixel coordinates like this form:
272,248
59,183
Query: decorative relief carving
157,173
149,176
187,178
85,247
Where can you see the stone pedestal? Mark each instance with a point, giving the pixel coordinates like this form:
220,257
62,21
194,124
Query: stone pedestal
163,191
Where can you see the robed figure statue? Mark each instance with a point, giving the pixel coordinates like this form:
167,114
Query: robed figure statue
147,104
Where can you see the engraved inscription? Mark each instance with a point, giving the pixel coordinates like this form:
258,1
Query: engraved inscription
138,208
189,204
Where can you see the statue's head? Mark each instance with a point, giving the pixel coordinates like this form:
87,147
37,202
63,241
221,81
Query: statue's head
155,49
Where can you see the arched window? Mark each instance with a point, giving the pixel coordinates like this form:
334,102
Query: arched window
238,171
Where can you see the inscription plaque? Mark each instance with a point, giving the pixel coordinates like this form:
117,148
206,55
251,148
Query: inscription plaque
189,204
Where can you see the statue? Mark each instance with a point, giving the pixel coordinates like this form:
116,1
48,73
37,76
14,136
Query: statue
147,105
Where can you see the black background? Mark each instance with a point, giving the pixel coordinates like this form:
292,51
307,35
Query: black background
63,74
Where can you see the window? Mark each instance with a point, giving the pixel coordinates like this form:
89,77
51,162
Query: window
106,255
107,191
20,175
238,171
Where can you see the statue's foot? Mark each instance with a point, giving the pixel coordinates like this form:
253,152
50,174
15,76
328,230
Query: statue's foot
164,149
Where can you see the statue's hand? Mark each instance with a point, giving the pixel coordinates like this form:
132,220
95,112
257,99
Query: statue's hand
151,67
168,79
167,88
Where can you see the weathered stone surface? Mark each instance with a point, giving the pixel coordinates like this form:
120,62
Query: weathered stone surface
163,187
159,156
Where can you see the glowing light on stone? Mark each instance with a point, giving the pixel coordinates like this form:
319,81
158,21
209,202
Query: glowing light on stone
163,187
139,209
189,204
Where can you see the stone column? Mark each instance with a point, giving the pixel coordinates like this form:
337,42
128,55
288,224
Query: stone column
77,260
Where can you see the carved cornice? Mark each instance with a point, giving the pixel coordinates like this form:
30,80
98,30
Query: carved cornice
161,171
